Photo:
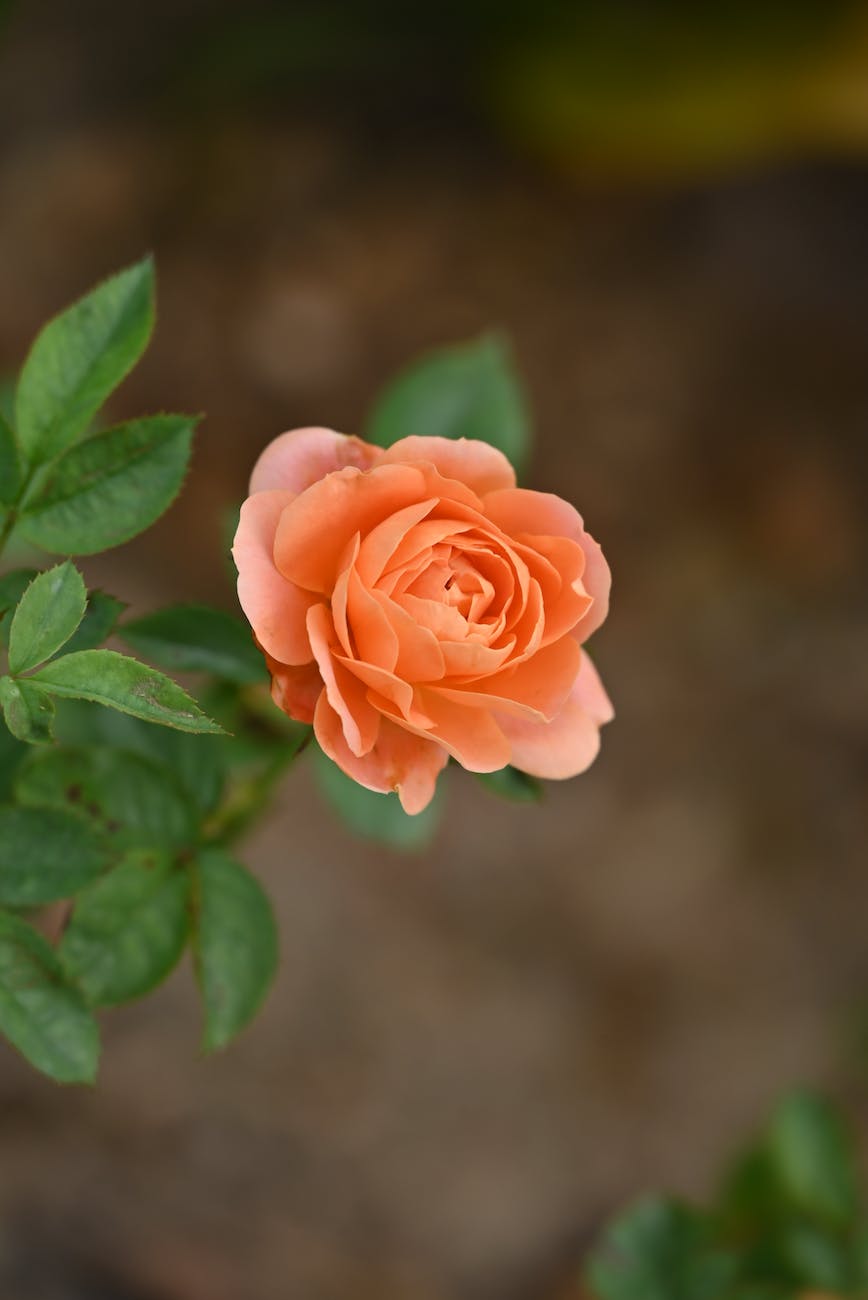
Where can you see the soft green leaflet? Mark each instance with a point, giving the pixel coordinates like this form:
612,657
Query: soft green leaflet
112,679
372,815
469,391
128,930
196,638
40,1012
79,358
46,854
111,487
235,945
46,617
27,710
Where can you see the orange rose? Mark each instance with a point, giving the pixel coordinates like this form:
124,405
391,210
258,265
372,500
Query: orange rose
414,604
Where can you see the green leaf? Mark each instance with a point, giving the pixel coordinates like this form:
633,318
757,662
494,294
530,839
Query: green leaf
374,816
28,711
134,800
46,854
111,487
510,783
469,391
100,617
660,1250
12,587
79,358
40,1013
106,677
47,615
235,945
12,754
10,465
812,1159
197,639
128,930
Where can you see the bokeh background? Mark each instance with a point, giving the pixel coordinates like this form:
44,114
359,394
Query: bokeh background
476,1053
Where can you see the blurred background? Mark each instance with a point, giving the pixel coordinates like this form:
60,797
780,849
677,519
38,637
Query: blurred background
477,1052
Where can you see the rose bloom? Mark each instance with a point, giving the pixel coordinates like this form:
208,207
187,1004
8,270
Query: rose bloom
414,604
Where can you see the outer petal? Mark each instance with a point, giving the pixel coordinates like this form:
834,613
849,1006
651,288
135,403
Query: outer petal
295,460
477,464
569,743
401,760
346,694
275,607
295,690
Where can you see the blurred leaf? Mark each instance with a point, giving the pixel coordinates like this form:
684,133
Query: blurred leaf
133,799
46,617
46,854
106,677
235,944
510,783
100,617
10,467
79,358
817,1259
128,930
12,754
7,399
40,1013
196,638
372,815
111,487
812,1159
12,587
469,391
28,711
661,1250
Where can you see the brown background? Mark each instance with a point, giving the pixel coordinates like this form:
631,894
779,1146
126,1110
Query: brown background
475,1054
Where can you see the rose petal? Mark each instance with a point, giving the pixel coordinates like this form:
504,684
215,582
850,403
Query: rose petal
346,694
295,460
569,743
537,688
295,690
401,760
275,607
476,464
470,735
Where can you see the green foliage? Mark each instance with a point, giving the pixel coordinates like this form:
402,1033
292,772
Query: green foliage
787,1219
510,783
100,617
10,464
469,391
27,711
41,1013
196,639
235,943
112,679
128,930
12,587
46,854
47,614
109,488
79,358
375,816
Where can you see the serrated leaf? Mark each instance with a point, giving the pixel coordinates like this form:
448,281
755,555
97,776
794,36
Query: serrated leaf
812,1160
118,682
235,945
469,391
41,1014
10,465
12,587
46,616
197,639
46,854
100,618
28,711
79,358
510,783
128,930
375,816
111,487
134,800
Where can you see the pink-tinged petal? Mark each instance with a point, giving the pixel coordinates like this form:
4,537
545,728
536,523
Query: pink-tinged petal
536,689
301,457
569,743
477,464
400,761
346,694
295,691
275,607
316,526
597,582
